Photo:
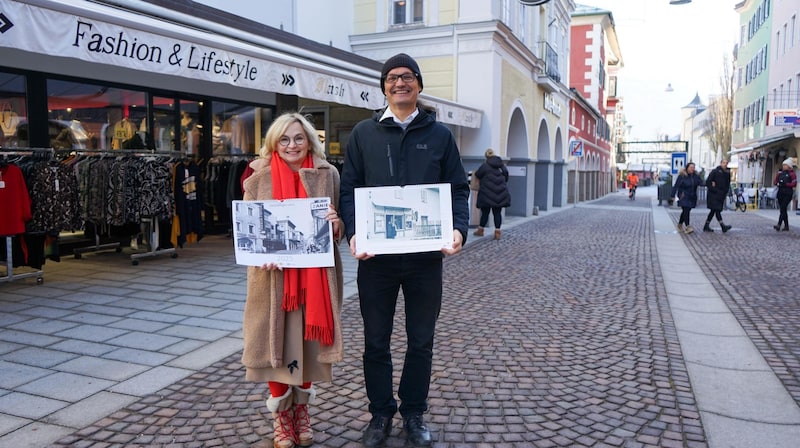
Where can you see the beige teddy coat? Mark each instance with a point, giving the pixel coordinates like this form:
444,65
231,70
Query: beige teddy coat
265,324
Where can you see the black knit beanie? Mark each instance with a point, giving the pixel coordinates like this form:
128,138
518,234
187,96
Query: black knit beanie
400,60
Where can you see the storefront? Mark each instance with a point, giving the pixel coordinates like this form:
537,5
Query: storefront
179,81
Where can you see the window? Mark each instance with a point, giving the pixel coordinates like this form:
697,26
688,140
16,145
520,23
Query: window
407,11
92,116
12,111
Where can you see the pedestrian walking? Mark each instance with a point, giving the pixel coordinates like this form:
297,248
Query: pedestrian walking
493,192
292,326
401,145
718,184
685,190
786,180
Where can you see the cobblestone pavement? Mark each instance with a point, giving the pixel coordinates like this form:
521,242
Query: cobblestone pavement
753,269
559,334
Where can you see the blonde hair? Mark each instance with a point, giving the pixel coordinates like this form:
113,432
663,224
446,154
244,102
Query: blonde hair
488,153
279,127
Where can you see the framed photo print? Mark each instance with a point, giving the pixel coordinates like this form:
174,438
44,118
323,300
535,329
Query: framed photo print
290,233
400,220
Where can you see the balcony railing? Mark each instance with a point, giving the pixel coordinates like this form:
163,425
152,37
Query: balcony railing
551,62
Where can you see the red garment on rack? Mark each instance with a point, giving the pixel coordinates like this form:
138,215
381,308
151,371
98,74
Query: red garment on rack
16,203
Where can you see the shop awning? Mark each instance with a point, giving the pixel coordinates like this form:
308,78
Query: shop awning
765,141
128,38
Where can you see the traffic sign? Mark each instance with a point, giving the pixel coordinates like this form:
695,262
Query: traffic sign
576,148
678,161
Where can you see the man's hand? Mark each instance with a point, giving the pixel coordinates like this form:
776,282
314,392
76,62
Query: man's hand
458,239
358,256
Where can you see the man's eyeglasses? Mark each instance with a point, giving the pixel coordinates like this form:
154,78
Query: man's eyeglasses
407,78
299,140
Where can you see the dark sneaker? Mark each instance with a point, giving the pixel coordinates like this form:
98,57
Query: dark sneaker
417,432
725,228
377,431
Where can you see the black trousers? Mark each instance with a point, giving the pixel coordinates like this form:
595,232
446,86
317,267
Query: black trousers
712,213
379,282
685,212
783,203
497,212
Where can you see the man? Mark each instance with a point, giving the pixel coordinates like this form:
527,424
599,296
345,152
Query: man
717,183
401,145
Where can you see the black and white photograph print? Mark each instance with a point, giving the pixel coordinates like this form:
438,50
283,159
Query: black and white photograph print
290,233
400,220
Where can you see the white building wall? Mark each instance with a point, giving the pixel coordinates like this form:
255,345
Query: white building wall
323,21
784,59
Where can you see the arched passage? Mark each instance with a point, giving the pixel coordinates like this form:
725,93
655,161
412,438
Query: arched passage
542,168
517,150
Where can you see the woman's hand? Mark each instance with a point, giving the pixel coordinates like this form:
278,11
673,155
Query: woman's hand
333,218
271,267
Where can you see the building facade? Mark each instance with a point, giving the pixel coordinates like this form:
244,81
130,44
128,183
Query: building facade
595,58
767,97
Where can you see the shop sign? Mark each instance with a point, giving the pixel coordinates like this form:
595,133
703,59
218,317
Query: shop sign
552,105
783,117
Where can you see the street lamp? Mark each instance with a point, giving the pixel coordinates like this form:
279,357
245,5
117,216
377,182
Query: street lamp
679,2
535,2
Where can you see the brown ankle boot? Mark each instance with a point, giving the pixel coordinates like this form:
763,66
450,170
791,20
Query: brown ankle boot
497,234
478,231
283,420
302,421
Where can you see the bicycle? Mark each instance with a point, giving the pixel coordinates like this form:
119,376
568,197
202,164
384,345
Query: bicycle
739,202
632,194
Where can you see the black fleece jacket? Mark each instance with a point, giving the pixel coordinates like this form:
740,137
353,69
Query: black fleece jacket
383,154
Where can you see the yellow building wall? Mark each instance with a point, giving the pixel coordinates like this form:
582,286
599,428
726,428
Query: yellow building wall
448,12
515,84
364,17
437,76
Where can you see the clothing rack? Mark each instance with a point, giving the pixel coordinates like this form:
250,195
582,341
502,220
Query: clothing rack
10,275
45,154
152,223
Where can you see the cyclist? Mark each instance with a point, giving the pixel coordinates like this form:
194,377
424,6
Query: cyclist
633,182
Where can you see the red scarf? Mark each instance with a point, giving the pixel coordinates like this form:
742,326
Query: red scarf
303,286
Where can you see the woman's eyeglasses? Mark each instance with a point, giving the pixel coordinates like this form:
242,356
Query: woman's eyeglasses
299,140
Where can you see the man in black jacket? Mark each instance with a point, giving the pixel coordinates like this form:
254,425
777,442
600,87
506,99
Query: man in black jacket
401,145
718,183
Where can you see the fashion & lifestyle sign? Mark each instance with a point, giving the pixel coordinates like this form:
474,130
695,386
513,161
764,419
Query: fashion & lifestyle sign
46,31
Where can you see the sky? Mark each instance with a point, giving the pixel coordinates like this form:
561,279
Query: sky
662,44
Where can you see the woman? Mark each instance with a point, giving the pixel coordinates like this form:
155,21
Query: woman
718,184
685,189
786,180
292,317
493,192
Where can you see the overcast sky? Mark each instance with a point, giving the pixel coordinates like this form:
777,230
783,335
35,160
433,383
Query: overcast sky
662,44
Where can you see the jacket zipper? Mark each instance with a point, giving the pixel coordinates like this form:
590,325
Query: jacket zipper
389,156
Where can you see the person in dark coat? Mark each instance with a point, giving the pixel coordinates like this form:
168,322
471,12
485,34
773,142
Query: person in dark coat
685,190
493,192
718,183
786,180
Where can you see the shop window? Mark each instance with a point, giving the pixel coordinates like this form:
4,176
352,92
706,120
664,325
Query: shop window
12,111
191,135
164,123
238,128
98,117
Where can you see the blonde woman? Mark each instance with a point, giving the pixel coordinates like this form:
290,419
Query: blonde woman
292,317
